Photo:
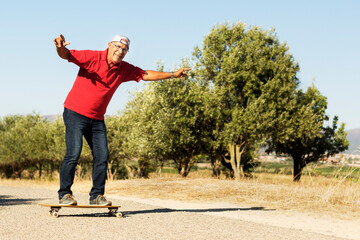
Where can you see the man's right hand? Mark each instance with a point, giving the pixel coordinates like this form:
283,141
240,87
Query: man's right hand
60,44
60,41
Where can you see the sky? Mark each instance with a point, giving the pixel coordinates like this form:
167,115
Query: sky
323,36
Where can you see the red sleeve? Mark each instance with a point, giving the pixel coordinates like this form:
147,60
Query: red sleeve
134,73
82,58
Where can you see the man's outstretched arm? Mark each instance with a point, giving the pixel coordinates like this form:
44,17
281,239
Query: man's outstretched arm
60,44
155,76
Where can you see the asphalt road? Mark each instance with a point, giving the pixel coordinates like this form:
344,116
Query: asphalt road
22,218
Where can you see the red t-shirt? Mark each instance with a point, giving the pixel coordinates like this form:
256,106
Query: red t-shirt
95,83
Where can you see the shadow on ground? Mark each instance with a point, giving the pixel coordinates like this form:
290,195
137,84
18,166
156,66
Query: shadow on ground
167,210
6,200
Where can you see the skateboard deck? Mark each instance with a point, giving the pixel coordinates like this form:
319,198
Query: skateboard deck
54,209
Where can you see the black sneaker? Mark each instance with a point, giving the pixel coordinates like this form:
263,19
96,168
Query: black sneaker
68,199
100,200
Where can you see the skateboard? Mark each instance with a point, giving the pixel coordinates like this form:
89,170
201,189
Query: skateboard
54,209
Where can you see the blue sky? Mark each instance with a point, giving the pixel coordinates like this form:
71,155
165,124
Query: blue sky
323,37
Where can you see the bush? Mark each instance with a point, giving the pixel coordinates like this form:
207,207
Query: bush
145,167
122,172
12,169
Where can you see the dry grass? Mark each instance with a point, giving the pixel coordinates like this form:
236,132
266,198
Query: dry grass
271,191
338,197
332,196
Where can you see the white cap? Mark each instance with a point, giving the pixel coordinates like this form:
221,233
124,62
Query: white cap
122,39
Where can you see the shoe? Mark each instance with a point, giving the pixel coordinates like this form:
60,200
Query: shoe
100,200
67,199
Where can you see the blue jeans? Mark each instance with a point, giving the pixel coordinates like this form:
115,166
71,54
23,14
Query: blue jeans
94,132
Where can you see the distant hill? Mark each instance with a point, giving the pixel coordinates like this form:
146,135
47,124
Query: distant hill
50,118
353,136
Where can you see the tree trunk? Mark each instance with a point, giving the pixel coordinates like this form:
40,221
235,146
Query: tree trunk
110,173
185,166
298,166
159,168
40,170
156,166
184,172
51,169
238,161
216,167
235,160
232,149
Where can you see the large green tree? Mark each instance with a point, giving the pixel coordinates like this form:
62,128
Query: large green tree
171,121
253,76
309,136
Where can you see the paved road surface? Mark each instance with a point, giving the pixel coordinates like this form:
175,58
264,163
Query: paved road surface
22,218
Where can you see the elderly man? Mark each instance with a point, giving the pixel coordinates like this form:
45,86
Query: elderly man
100,74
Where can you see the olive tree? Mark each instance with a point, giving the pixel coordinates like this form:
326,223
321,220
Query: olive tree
245,68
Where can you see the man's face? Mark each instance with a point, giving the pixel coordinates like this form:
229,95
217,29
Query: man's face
117,52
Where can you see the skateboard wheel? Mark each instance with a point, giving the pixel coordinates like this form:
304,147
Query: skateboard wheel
55,214
118,215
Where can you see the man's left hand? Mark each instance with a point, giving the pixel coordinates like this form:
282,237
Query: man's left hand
181,72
